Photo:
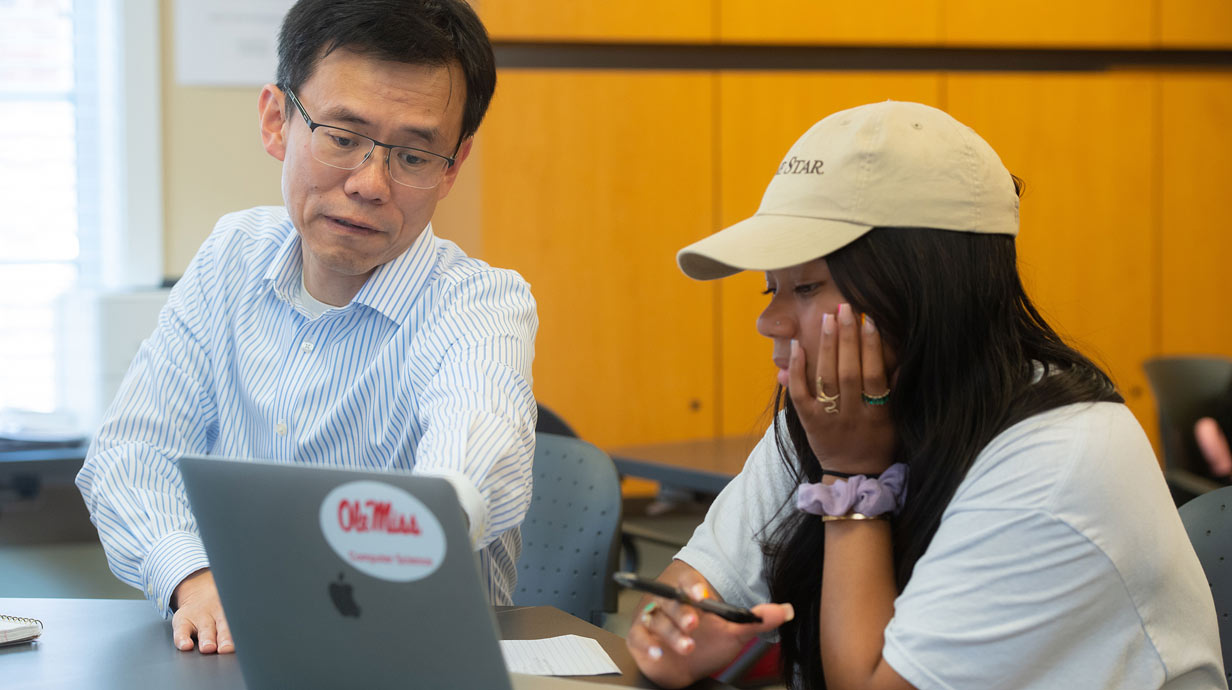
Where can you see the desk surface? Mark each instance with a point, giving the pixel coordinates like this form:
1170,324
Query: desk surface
701,465
56,459
113,643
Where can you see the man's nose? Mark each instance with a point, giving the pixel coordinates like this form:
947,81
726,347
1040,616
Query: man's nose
371,179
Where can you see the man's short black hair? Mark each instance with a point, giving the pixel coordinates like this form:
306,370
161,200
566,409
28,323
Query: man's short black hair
418,32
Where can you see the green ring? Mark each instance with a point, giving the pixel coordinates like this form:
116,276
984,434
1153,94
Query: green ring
877,400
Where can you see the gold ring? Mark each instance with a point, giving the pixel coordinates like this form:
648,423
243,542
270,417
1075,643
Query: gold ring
875,399
830,401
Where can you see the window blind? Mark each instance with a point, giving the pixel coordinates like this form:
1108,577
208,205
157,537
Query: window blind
49,183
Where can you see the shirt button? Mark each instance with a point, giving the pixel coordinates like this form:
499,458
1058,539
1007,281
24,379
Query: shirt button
280,428
306,347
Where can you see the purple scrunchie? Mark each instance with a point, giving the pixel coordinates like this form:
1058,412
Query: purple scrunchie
859,494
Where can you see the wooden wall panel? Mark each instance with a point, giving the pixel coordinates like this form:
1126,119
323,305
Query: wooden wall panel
677,21
761,114
591,181
1084,143
1049,23
886,22
1195,23
1196,244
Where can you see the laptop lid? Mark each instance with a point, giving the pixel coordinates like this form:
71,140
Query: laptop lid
344,578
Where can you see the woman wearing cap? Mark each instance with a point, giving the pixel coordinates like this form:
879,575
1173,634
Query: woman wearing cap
950,496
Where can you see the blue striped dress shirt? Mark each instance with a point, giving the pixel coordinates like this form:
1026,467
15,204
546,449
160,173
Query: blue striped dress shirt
428,369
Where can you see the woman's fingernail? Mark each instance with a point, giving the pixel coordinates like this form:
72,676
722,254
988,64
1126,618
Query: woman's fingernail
869,327
791,612
698,590
795,347
827,324
684,644
845,314
655,653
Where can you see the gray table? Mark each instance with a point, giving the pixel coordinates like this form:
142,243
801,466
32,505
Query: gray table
38,502
705,465
59,461
111,643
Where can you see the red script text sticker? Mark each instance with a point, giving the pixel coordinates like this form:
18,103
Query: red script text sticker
382,531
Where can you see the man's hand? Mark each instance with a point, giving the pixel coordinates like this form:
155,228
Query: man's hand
1214,446
198,613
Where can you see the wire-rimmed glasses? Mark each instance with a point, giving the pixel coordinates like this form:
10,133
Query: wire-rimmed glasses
346,150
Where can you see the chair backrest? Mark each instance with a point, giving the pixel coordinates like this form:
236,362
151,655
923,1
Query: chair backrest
571,535
1208,522
1186,389
552,423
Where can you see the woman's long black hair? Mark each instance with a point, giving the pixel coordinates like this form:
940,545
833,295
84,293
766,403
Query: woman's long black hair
969,344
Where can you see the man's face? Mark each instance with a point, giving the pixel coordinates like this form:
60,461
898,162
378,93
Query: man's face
351,221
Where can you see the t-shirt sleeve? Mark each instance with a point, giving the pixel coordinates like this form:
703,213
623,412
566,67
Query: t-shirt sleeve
726,547
1013,592
996,604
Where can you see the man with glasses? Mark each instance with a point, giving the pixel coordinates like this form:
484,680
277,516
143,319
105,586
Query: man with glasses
338,330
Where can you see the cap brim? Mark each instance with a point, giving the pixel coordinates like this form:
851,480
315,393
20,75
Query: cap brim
765,242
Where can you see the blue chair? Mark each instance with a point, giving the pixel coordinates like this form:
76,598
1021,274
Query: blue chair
571,535
1208,522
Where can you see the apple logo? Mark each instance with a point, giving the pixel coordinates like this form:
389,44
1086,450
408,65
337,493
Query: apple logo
340,593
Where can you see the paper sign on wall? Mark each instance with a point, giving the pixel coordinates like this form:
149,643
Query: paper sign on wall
227,42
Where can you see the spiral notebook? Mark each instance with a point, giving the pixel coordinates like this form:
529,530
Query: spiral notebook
15,630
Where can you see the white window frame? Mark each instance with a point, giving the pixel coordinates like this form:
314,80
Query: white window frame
130,72
118,67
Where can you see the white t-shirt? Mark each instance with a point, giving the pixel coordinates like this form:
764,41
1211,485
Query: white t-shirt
1061,562
311,305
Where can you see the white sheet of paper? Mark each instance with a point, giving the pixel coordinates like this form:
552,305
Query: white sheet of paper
566,655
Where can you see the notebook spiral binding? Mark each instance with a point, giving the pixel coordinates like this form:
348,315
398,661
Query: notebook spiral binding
18,619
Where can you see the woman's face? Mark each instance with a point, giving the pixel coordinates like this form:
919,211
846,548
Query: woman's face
799,296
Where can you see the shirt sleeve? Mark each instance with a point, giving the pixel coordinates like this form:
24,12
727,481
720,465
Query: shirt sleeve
478,411
1012,591
726,547
1016,599
130,481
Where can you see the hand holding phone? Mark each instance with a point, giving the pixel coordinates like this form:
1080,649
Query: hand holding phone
734,614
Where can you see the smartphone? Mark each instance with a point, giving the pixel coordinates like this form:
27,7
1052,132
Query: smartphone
734,614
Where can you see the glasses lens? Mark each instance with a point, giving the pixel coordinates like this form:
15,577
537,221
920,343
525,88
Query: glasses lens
339,148
417,169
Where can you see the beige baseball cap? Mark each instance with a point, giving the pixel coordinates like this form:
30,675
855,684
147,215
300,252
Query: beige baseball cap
890,164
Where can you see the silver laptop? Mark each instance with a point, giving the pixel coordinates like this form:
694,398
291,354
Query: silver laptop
345,578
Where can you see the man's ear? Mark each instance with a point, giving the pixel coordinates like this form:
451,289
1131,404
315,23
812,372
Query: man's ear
273,121
451,175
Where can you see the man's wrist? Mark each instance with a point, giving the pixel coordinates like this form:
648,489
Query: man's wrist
175,593
170,561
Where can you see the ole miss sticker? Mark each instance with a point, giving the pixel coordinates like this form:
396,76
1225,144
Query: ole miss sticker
382,531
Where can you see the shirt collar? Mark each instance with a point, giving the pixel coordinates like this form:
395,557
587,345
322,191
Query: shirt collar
391,289
286,267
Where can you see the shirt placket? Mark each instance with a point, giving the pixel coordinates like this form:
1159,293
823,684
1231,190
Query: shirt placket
302,356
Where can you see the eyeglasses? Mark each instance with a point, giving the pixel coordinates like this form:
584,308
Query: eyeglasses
346,150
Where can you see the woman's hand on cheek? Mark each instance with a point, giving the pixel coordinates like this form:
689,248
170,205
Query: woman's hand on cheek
847,428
